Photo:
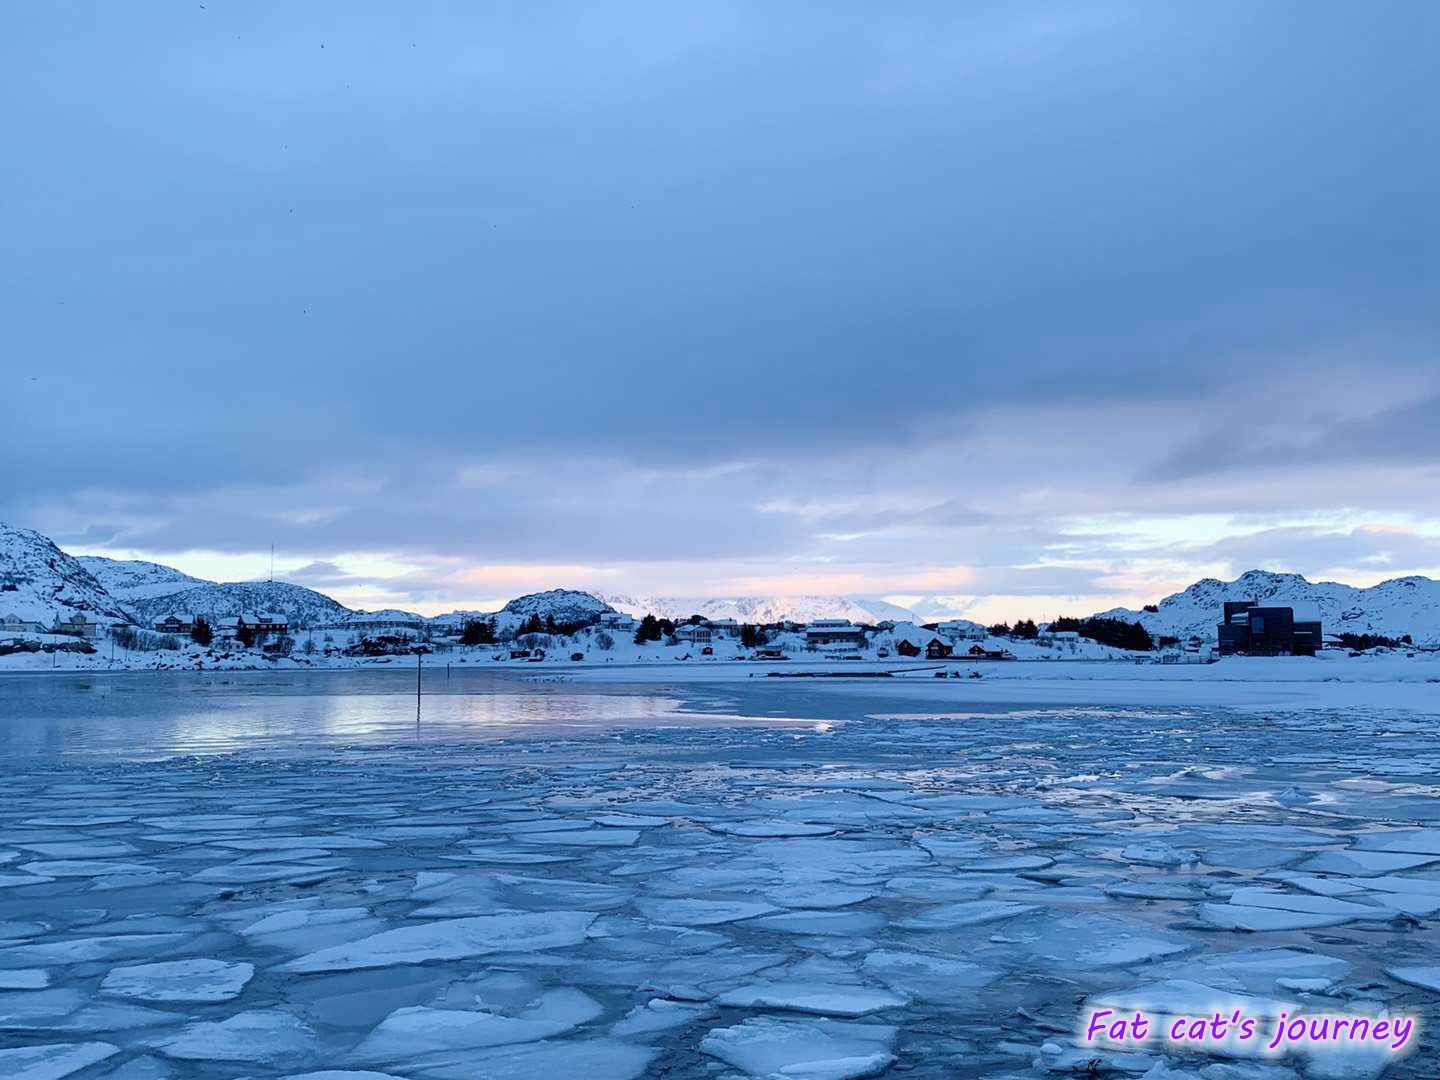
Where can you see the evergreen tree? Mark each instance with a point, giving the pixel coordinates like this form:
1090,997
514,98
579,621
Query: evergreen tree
201,634
245,635
478,632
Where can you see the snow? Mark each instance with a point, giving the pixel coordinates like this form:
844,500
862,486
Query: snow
1408,605
810,1049
130,580
451,939
1427,977
826,999
179,980
52,1061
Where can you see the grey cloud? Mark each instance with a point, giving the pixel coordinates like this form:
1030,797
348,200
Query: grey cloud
248,277
1404,433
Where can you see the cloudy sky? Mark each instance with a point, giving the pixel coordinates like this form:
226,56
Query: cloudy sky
1006,309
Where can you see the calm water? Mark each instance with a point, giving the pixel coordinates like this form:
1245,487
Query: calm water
141,714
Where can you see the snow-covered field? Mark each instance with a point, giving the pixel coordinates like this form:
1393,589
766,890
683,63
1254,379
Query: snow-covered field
740,877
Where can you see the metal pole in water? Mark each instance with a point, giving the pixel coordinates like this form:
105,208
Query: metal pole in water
417,687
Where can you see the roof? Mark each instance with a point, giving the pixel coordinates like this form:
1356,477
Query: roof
1302,610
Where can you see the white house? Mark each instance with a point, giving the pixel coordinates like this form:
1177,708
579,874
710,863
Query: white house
962,630
693,634
833,632
1059,637
77,625
14,624
729,627
618,622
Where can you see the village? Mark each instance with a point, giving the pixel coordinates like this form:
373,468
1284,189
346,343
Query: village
608,637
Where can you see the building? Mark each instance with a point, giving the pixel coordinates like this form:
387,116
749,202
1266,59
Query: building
14,624
693,634
1250,628
979,652
833,632
938,650
77,625
1059,637
906,647
962,630
257,624
175,624
728,627
618,622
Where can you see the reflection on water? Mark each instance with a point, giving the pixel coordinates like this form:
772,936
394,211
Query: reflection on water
143,715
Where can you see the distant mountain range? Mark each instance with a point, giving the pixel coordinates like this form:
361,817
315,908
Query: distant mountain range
1408,605
40,583
761,609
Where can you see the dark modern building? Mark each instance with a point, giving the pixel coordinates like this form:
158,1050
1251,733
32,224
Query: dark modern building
1254,629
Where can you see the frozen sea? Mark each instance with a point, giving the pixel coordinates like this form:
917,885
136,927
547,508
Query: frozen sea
287,875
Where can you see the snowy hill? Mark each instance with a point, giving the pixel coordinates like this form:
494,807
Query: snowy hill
135,579
302,606
40,583
760,609
1409,605
566,605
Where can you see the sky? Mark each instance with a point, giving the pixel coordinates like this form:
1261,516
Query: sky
993,309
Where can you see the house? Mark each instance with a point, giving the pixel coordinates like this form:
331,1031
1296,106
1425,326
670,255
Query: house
271,624
906,647
693,634
1250,628
833,632
175,624
979,652
14,624
77,625
962,630
618,622
938,650
728,627
254,623
1059,637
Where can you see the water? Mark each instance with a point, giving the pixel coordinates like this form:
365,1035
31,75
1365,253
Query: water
150,715
621,881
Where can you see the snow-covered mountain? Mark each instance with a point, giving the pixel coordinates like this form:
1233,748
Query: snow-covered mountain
40,583
135,579
1408,605
760,609
302,606
566,605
